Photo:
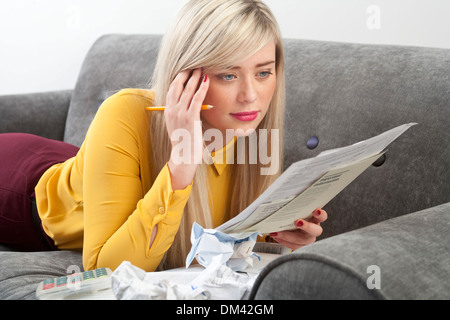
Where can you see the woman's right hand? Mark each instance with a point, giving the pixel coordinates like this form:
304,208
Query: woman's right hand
183,105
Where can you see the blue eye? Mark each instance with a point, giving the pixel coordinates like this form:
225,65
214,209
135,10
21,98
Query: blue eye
228,77
264,74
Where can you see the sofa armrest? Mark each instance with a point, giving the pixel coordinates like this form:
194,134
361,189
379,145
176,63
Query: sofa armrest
401,258
42,114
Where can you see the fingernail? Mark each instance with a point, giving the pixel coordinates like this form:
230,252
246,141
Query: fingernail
299,223
273,234
317,212
205,77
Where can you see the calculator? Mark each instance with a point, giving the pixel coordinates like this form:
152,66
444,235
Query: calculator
90,284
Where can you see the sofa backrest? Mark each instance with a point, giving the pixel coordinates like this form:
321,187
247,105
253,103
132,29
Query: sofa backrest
341,93
114,62
344,93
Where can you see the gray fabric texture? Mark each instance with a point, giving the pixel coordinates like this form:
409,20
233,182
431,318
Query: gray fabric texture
114,62
411,252
43,114
21,272
344,93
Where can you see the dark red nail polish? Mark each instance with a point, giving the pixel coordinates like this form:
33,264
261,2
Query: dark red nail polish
317,212
205,78
273,234
299,223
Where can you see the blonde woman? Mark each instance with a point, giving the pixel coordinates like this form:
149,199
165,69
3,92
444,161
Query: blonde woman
141,178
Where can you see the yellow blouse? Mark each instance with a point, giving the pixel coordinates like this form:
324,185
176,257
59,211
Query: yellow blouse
104,201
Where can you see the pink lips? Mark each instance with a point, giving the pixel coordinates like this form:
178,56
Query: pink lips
245,116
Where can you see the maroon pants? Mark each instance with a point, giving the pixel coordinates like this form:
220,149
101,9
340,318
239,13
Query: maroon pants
23,160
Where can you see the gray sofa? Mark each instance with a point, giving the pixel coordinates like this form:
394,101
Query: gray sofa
388,233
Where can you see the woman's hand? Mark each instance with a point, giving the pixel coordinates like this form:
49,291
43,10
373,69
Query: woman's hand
183,104
306,233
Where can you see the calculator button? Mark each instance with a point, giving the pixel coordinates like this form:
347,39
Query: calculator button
61,281
75,278
48,284
101,272
88,275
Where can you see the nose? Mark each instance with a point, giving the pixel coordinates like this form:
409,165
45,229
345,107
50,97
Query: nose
247,93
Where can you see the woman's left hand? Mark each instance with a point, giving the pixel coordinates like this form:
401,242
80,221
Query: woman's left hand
306,233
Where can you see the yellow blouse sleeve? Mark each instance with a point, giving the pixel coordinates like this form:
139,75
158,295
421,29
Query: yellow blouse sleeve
119,215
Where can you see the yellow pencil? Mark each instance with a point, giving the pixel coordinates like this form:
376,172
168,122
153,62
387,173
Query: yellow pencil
162,108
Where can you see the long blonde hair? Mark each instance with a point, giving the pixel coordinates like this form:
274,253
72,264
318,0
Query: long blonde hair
215,34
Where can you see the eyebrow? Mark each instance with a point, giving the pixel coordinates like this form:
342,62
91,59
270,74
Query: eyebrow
259,65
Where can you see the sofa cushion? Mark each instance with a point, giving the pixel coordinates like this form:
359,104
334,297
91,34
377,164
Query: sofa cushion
21,272
343,93
114,62
42,113
401,258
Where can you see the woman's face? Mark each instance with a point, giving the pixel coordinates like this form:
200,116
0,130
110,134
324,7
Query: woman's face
241,94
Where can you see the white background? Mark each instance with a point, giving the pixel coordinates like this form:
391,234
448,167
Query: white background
43,42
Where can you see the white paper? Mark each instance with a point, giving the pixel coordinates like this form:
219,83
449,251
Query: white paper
215,282
304,175
316,196
235,250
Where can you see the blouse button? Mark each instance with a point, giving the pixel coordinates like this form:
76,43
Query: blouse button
380,160
312,142
161,210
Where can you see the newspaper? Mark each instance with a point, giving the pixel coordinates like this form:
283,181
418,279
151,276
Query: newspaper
310,184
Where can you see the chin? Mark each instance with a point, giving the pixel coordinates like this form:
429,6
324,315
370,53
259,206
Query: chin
243,132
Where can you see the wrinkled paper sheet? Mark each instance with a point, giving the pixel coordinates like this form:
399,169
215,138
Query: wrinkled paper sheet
222,258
